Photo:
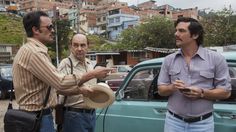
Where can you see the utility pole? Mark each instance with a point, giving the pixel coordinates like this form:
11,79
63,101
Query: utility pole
55,15
37,5
79,5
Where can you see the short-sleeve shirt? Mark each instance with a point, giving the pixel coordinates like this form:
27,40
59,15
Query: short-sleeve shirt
207,69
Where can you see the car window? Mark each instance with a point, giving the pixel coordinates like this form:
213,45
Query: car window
232,72
139,86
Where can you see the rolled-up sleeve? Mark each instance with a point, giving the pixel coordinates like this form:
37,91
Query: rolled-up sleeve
222,77
163,77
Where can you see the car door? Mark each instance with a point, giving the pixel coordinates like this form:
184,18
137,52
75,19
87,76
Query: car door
136,109
225,110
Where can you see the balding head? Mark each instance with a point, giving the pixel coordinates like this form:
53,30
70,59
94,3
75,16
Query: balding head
79,46
78,37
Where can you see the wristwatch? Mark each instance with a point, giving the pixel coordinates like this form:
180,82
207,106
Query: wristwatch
202,93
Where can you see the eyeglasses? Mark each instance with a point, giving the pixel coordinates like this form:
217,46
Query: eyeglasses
49,27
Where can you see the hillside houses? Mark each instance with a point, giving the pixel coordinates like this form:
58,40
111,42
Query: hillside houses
103,17
107,18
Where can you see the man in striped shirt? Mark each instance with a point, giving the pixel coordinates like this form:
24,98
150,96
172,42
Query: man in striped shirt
33,71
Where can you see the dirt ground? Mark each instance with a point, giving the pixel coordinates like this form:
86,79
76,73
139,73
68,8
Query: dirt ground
3,108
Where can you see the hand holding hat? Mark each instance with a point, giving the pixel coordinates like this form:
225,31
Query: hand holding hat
102,96
86,91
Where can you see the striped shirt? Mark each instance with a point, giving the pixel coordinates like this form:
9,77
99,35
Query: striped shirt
78,67
33,73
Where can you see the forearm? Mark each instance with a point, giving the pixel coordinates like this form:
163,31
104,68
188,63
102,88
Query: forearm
69,91
166,90
216,94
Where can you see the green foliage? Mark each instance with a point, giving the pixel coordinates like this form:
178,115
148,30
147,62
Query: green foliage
129,39
220,28
94,39
11,29
64,34
156,32
98,43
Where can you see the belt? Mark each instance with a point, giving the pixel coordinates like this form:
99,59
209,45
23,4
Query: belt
80,110
45,111
191,119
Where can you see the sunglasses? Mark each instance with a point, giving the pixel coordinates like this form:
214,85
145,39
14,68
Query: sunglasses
49,27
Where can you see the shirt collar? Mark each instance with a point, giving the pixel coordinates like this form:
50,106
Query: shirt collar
75,61
38,44
200,52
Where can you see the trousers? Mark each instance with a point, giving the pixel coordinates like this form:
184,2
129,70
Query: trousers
79,121
173,124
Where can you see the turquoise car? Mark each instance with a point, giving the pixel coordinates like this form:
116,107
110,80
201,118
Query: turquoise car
139,108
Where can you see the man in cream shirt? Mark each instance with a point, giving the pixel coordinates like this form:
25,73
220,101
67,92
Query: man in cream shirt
78,117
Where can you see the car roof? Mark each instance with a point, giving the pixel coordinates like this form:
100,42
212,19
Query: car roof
229,56
151,61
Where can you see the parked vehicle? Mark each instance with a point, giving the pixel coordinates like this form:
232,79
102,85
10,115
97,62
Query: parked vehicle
116,83
119,72
2,8
139,108
5,80
122,68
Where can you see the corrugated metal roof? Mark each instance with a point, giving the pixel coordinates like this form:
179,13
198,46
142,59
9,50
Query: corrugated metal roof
161,50
108,53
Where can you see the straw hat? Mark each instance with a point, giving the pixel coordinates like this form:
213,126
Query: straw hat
102,96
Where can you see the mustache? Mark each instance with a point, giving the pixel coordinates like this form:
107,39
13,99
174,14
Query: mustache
177,38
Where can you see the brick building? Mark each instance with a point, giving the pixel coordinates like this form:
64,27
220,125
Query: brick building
7,52
87,21
190,12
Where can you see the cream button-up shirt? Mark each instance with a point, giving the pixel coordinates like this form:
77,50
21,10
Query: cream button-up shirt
76,101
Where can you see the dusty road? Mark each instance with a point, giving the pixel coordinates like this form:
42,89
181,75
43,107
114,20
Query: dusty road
3,108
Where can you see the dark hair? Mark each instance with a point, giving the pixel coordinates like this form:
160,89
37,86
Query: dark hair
195,28
31,20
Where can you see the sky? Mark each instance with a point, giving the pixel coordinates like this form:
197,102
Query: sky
201,4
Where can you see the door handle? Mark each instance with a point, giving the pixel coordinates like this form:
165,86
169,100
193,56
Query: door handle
225,115
160,110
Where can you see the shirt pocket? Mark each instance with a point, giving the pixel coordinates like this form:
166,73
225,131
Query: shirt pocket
206,78
206,74
174,74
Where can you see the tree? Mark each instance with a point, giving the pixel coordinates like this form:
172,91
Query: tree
220,28
64,34
98,43
156,32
